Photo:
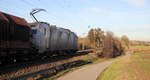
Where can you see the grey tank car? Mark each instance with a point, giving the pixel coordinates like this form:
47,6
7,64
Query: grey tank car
52,39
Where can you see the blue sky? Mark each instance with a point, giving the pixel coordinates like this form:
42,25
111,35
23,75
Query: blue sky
123,17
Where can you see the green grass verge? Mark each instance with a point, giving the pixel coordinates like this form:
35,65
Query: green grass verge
135,67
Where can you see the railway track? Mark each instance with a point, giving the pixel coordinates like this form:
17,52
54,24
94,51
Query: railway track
26,69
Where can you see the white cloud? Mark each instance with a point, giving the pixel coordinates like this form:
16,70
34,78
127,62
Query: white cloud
99,11
137,3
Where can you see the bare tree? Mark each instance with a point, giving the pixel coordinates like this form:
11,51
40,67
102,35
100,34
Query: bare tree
112,45
125,41
108,45
95,37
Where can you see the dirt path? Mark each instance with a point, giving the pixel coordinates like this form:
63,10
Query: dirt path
89,72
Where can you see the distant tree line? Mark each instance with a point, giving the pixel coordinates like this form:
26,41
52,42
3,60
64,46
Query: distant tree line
110,45
137,43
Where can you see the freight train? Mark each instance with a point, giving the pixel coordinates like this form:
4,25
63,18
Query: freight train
20,39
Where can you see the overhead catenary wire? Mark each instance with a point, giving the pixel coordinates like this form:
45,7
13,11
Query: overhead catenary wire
10,11
32,5
28,3
52,16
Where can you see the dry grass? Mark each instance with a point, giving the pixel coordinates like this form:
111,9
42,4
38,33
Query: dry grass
135,67
140,47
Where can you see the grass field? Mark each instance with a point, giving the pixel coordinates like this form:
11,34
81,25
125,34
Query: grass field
134,67
140,47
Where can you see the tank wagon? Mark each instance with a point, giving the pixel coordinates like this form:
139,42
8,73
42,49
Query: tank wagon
53,40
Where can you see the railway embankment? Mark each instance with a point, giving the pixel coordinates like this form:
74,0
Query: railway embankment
45,69
73,66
